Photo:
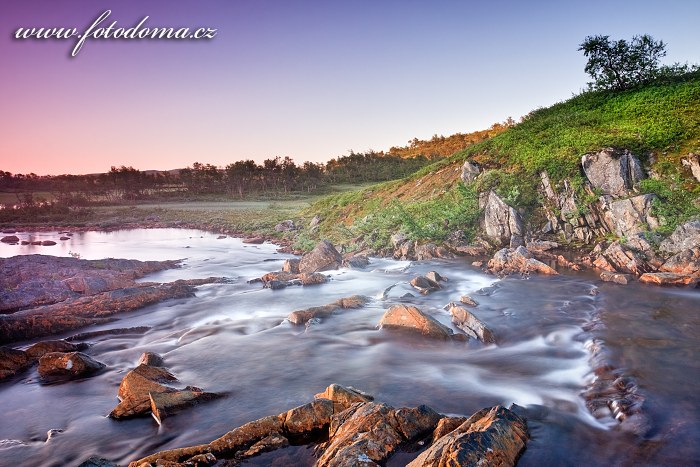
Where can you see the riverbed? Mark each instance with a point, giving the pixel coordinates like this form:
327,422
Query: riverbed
234,338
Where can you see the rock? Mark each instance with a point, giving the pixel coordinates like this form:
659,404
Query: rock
424,285
398,239
477,264
150,359
167,403
356,262
612,171
467,300
493,436
435,277
244,436
692,161
48,243
617,258
309,419
303,316
416,422
668,278
631,216
687,262
410,318
285,226
541,245
430,251
60,365
499,221
447,425
315,221
470,324
12,361
291,265
136,387
97,461
615,277
10,239
41,348
64,238
269,443
323,257
520,260
470,170
343,397
516,241
253,240
685,237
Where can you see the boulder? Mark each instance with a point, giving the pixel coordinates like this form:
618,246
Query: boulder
150,359
493,436
627,217
41,348
308,420
97,461
136,387
470,324
467,300
13,361
285,226
518,260
613,171
356,262
167,403
410,318
343,397
252,240
668,278
687,262
685,237
424,285
615,277
10,239
61,365
617,258
48,243
499,221
435,277
428,251
291,265
470,170
323,257
279,280
692,161
323,311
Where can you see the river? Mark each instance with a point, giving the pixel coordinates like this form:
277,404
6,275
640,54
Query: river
233,338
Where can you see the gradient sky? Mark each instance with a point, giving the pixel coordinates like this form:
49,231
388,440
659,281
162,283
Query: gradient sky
306,79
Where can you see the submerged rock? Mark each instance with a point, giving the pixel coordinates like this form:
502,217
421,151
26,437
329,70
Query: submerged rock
493,436
323,311
59,365
323,257
410,318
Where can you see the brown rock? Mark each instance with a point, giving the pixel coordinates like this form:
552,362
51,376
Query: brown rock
324,311
415,422
667,278
12,361
308,419
48,243
612,171
312,278
615,277
686,262
323,257
541,245
59,365
467,300
617,258
245,436
425,285
356,262
269,443
410,318
64,238
509,260
470,324
436,277
39,349
10,239
164,404
494,436
150,359
291,265
162,458
343,397
447,425
253,240
136,387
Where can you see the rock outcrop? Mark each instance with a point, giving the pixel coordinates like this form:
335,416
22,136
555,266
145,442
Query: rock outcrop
613,171
618,258
685,237
499,221
627,217
324,257
411,319
470,170
686,262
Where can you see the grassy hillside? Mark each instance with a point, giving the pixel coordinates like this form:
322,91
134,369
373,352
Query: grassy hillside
660,123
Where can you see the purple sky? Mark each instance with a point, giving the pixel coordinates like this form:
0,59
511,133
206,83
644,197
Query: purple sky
306,79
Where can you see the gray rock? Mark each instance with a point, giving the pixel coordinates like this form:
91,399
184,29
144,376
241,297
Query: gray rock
323,257
692,161
285,226
499,220
631,216
470,170
685,237
686,262
612,170
615,277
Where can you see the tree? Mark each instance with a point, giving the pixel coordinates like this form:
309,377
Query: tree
620,64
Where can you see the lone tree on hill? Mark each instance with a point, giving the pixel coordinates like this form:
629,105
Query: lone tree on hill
620,64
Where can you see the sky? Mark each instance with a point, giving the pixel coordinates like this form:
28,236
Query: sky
307,79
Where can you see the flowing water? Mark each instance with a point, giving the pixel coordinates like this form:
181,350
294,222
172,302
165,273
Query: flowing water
233,338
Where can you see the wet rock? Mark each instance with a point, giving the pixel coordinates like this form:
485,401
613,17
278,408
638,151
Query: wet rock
303,316
617,258
692,161
41,348
245,436
10,239
470,324
285,226
425,285
541,245
323,257
136,387
59,365
687,262
447,425
343,397
615,277
167,403
415,422
668,278
494,436
269,443
97,461
253,240
499,221
613,171
410,318
435,277
314,278
64,238
356,262
519,260
13,361
467,300
430,251
631,216
477,264
150,359
48,243
309,419
176,456
470,170
685,237
291,265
